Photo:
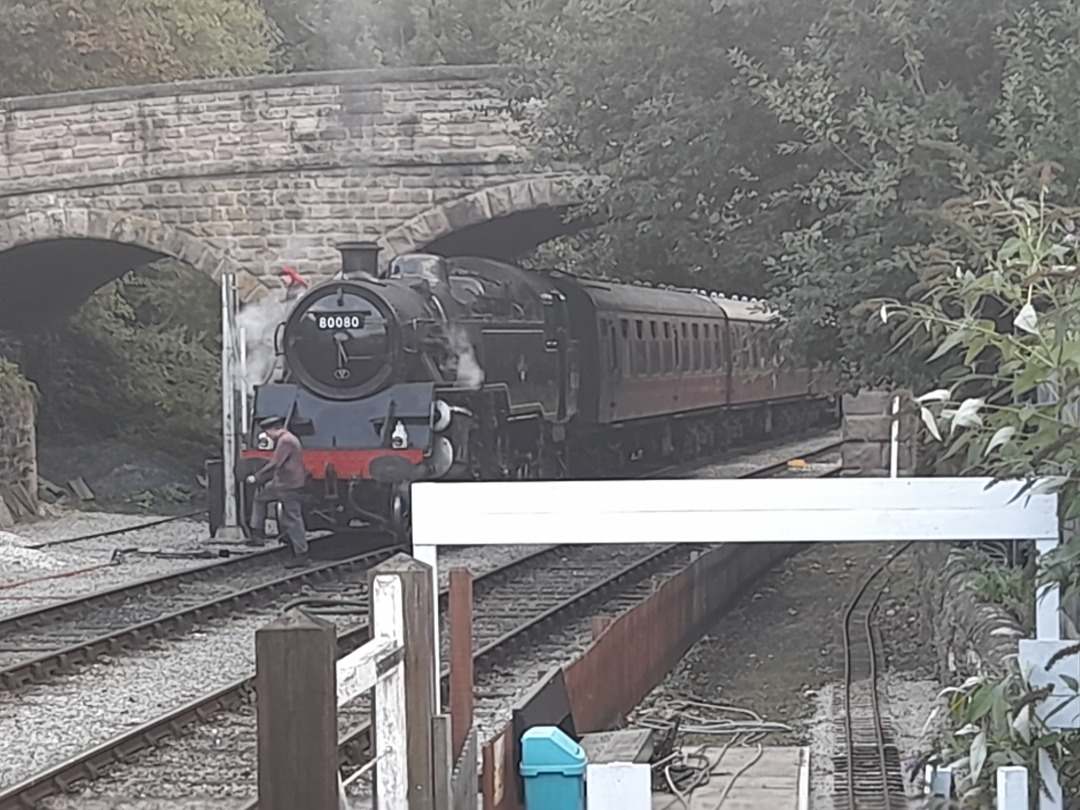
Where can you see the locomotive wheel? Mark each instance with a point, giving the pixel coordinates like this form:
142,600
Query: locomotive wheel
401,518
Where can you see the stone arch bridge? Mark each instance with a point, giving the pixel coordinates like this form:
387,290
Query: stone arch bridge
255,173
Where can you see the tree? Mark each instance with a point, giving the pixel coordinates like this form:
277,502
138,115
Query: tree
51,45
337,34
788,148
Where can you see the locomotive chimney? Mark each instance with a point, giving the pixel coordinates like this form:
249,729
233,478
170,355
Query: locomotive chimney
359,259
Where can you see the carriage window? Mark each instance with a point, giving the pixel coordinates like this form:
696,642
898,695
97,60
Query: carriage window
612,347
625,328
667,331
638,324
652,329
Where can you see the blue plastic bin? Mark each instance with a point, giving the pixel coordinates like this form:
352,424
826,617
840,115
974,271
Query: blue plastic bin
553,769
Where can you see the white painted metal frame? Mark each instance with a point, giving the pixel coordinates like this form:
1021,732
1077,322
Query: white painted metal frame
735,511
380,665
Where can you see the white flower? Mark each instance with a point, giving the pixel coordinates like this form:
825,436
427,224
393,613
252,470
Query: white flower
931,424
1003,436
1027,319
939,395
967,415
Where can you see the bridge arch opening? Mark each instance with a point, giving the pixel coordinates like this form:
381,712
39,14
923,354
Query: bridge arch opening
116,320
52,262
504,222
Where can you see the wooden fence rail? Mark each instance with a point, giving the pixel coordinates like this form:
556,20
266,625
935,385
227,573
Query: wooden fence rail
301,686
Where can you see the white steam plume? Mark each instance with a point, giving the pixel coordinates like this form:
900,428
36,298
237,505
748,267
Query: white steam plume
259,321
464,365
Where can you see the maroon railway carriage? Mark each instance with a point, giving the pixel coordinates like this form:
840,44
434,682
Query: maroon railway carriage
703,368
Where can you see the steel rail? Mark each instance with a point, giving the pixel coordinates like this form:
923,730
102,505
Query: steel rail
69,659
875,701
91,764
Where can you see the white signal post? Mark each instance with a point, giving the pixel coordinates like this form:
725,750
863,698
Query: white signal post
230,529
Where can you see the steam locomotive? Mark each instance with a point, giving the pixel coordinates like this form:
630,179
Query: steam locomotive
469,368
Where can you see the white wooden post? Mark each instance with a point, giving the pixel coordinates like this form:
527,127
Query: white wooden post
380,664
242,342
894,440
230,528
1012,788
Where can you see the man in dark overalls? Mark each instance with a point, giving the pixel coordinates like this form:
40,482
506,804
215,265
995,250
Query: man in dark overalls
287,476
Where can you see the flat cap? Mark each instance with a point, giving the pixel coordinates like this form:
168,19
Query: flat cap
272,422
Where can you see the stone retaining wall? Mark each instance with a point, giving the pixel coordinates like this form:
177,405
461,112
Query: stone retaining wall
867,434
18,454
969,634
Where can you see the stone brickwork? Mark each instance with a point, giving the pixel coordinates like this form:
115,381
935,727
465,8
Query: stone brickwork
18,455
249,174
867,434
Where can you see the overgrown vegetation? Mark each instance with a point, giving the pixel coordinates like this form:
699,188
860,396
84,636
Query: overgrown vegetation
12,381
1006,586
996,316
48,45
140,362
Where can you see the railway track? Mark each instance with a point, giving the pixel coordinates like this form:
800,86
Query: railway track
513,604
867,774
38,646
62,639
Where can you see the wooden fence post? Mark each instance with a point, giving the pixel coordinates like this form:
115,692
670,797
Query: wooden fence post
297,713
443,759
461,658
419,608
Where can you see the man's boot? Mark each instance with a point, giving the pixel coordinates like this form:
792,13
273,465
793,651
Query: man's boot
298,561
256,540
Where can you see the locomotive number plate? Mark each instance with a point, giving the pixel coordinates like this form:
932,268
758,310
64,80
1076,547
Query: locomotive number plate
351,320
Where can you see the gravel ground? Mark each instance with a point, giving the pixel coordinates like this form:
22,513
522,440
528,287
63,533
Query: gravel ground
131,556
789,656
741,464
78,712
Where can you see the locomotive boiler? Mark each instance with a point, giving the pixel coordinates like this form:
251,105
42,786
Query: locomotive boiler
472,369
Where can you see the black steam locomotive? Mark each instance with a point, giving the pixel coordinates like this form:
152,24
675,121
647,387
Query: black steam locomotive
469,368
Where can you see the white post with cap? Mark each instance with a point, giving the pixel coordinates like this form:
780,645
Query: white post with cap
230,528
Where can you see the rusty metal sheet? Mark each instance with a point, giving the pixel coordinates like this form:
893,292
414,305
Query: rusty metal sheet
463,784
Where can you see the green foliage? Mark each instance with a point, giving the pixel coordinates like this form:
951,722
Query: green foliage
49,45
993,724
1005,586
12,380
758,146
995,317
337,34
139,362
